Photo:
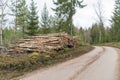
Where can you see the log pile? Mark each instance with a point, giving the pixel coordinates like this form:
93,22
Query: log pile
45,43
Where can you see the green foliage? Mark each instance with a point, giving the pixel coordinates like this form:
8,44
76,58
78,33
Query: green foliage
116,22
101,34
97,34
65,9
20,11
2,78
22,15
81,34
94,34
45,20
34,55
112,44
66,49
32,20
21,63
54,24
108,35
45,59
9,37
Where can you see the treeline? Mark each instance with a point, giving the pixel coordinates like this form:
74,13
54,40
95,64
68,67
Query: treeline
99,33
96,34
26,20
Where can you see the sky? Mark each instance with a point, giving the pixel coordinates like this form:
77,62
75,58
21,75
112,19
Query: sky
84,17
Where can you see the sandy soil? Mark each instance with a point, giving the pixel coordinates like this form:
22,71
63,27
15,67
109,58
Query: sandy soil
99,64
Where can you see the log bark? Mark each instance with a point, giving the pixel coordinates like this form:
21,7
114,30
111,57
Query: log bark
45,43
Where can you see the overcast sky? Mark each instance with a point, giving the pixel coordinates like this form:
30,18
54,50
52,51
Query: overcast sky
86,16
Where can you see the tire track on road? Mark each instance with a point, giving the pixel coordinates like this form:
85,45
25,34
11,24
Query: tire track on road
92,60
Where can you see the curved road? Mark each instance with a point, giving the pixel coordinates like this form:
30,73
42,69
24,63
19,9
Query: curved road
99,64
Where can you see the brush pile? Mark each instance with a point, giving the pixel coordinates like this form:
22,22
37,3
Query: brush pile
45,43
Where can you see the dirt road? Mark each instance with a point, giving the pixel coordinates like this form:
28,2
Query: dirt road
99,64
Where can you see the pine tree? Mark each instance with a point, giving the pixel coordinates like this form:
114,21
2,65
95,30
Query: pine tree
22,15
53,23
14,12
94,34
101,33
116,21
108,36
65,10
19,12
81,33
45,20
32,20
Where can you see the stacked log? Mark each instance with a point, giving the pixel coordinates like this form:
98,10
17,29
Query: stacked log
45,43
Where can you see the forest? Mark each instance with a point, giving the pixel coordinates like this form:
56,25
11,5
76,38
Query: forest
26,25
26,22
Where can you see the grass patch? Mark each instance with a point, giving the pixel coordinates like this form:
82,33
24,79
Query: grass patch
112,44
13,66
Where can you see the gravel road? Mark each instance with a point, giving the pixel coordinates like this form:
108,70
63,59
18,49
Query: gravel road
99,64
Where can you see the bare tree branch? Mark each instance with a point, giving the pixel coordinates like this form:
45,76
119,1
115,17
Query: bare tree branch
3,5
98,8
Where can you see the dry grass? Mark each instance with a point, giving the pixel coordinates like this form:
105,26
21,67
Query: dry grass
112,44
13,66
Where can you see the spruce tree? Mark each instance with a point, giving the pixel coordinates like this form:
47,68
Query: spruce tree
22,15
14,12
94,34
81,33
19,12
32,20
116,21
45,20
65,10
